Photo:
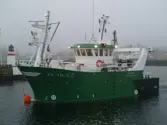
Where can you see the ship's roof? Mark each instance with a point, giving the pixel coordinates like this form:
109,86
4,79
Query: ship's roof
127,49
91,45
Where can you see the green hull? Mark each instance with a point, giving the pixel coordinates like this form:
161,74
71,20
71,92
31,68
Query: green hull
72,86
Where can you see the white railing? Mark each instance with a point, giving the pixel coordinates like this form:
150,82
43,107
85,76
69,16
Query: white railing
31,63
93,67
25,62
79,66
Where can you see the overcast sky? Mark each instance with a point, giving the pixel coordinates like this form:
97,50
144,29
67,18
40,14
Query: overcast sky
136,21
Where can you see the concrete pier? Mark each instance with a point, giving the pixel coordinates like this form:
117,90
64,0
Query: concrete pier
6,73
9,72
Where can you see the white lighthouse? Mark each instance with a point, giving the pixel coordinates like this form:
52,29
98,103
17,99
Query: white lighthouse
11,58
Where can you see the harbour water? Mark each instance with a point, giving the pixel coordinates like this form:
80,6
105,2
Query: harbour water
150,111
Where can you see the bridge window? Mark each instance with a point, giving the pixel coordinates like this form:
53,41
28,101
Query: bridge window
89,52
110,52
75,52
105,52
101,52
96,52
78,52
83,52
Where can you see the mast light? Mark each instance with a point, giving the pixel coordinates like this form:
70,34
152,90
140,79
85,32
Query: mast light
104,44
95,46
116,46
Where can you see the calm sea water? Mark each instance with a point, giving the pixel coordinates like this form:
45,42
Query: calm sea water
150,111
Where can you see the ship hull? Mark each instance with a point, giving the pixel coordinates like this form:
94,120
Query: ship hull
65,86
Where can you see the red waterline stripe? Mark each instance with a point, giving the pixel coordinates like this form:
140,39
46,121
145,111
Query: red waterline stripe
11,54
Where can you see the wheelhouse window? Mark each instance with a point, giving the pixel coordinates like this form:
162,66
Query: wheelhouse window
105,52
83,52
75,52
96,52
110,52
78,52
89,52
101,52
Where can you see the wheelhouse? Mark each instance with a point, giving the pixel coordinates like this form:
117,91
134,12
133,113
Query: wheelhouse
90,50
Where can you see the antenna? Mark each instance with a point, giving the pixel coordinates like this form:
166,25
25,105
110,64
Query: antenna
85,36
115,37
37,21
37,25
103,21
92,20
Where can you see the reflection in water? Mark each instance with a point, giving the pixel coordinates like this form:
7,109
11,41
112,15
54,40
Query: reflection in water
6,84
115,112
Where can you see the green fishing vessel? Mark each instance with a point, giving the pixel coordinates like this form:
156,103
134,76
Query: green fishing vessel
101,71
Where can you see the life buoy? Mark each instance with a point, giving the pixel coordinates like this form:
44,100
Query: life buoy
99,63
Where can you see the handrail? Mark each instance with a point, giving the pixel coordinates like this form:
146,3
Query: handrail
83,67
58,61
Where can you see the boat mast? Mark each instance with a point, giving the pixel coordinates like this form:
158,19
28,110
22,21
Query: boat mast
85,37
103,30
103,21
36,42
45,36
115,38
41,46
1,54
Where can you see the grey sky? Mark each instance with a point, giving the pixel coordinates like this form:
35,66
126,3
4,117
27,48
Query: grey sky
136,21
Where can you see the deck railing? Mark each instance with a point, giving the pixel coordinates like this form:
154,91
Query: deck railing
79,66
